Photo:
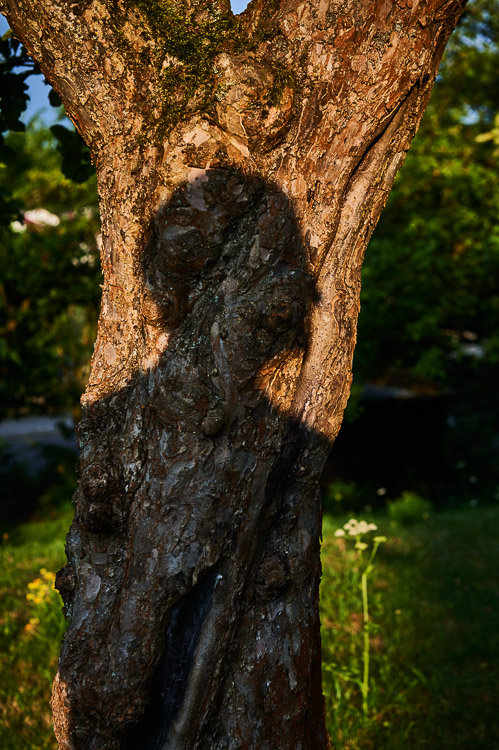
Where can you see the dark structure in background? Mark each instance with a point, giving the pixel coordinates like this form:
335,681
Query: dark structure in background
397,440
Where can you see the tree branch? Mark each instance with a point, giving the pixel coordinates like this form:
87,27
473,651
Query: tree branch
79,54
108,59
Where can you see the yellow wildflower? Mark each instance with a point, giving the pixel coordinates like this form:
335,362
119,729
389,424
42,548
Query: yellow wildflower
40,589
31,626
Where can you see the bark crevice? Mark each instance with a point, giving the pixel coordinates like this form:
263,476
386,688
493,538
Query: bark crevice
170,679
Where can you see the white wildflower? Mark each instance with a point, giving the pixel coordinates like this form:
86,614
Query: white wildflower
357,528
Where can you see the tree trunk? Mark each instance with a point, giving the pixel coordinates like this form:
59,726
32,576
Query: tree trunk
242,165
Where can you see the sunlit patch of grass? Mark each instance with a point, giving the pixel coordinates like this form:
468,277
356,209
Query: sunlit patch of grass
31,629
434,599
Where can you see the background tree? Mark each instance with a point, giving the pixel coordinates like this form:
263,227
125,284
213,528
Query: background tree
49,291
242,165
440,223
430,293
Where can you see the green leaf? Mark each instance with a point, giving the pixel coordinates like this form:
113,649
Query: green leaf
76,162
54,99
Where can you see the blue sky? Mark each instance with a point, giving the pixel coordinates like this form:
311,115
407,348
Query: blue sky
38,90
238,5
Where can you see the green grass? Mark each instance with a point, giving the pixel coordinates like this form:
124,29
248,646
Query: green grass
29,649
434,644
434,599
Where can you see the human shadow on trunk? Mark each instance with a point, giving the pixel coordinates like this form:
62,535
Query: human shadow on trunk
193,559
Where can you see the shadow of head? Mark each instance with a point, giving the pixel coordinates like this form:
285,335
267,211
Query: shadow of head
225,295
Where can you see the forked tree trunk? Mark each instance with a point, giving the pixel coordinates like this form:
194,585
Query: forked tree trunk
242,165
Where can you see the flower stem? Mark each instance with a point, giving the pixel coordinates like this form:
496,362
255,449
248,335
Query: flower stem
365,680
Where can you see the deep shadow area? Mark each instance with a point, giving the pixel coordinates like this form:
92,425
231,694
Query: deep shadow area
40,479
397,438
170,677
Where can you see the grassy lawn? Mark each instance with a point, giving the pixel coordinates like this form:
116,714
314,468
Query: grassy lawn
30,630
433,637
434,645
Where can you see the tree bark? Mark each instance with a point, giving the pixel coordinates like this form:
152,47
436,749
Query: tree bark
242,165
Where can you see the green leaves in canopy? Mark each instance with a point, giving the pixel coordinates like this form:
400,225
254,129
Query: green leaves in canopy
492,135
49,289
15,67
76,164
54,99
430,282
13,89
49,286
13,101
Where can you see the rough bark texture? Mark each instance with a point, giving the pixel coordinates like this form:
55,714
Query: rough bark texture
242,166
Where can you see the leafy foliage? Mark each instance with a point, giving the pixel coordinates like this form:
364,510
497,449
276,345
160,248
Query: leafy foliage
13,101
430,280
431,687
31,628
409,508
49,293
76,164
13,88
430,284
